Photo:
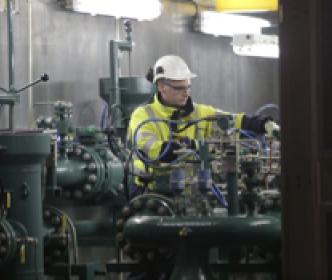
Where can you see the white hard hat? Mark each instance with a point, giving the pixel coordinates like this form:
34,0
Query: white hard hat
171,67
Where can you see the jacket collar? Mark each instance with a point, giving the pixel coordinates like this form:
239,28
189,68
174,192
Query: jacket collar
163,110
172,112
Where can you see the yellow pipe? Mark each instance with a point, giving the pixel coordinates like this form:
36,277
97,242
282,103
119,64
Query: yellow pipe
246,5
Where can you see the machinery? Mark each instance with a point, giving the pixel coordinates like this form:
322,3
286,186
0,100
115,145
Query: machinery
122,94
216,210
181,229
84,169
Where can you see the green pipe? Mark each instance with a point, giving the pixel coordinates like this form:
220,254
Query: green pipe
115,47
92,228
232,193
204,231
70,172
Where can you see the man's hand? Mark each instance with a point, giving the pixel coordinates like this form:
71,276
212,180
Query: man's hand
170,154
272,129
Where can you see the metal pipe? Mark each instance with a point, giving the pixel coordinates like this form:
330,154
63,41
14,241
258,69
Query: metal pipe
10,61
130,63
232,193
30,93
114,72
11,116
70,172
204,231
94,228
10,45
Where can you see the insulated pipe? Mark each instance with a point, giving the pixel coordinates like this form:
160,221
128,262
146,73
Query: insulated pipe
204,231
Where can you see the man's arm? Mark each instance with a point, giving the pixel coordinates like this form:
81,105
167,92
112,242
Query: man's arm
148,139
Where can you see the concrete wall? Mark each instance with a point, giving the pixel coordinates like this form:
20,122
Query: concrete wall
73,49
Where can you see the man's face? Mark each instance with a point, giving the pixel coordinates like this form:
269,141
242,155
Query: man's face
174,93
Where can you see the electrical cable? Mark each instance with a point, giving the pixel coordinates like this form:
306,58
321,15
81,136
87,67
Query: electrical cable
169,123
164,152
248,133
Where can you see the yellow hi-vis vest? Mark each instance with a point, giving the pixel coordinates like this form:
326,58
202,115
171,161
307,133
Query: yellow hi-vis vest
151,135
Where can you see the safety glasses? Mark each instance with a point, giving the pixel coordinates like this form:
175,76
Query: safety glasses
177,88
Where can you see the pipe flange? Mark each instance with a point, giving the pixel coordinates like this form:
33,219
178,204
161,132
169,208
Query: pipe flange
57,239
8,244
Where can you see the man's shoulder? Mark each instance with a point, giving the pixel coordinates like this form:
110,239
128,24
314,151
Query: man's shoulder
204,108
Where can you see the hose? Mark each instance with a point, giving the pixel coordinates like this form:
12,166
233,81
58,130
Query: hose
139,153
249,134
219,196
169,123
266,107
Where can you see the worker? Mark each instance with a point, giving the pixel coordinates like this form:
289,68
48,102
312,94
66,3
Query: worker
172,101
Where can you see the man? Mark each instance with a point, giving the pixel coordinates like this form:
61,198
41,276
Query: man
172,101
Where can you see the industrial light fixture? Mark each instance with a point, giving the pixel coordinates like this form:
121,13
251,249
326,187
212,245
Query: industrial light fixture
14,3
256,45
223,24
246,6
117,8
239,6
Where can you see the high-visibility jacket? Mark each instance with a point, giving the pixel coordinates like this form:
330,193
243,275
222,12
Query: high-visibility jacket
151,135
